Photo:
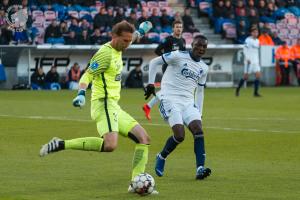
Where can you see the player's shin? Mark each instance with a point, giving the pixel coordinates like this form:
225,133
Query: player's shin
86,144
199,148
256,86
140,159
170,145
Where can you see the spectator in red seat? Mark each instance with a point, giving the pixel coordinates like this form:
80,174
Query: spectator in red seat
229,10
262,8
239,8
84,38
251,5
100,19
52,31
155,20
188,23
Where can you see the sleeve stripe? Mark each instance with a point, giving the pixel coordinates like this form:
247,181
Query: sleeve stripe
162,56
201,84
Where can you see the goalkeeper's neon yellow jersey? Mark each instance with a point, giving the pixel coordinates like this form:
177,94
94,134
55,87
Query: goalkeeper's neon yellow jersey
104,72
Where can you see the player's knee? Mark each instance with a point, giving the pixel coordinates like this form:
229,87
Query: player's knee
110,147
179,138
195,126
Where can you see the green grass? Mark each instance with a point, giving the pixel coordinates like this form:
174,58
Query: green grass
252,147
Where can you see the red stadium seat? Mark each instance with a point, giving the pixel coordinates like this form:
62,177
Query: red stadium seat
230,33
188,37
163,36
37,13
151,4
163,4
50,15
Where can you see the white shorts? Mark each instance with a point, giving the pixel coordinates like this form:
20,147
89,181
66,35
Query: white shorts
178,113
251,68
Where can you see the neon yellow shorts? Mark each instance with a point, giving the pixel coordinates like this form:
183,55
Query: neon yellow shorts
111,118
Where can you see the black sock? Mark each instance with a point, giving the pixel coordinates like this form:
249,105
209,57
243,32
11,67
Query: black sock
199,149
61,145
256,86
169,146
241,83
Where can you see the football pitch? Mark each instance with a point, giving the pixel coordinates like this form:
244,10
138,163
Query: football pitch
252,147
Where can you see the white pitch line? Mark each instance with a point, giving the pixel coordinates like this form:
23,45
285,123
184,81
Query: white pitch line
146,124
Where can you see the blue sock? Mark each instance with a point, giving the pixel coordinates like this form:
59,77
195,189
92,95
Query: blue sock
241,83
256,86
169,146
199,149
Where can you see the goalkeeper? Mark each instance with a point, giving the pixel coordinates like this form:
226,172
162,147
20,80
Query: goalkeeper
104,72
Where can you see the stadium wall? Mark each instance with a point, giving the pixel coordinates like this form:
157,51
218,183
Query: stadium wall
225,62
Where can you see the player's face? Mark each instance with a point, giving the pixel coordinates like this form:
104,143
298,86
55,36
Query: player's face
121,42
199,47
254,33
177,29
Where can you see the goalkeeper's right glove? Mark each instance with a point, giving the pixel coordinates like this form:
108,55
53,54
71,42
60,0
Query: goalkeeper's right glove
79,101
144,28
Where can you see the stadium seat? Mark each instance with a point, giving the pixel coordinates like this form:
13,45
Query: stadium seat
188,37
37,13
163,35
73,14
196,33
50,15
162,4
289,15
294,33
154,37
280,25
205,7
151,4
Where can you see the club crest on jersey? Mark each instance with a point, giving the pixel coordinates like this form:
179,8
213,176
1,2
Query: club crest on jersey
191,74
94,65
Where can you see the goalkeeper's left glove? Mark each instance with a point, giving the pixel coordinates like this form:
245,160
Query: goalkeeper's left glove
143,29
79,101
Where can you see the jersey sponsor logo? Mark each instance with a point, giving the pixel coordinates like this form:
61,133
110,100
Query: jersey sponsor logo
118,77
94,65
191,74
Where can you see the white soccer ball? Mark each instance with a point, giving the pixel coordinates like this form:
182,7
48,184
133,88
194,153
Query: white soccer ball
143,184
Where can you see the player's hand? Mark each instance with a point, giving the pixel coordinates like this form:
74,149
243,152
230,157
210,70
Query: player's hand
79,101
149,89
144,28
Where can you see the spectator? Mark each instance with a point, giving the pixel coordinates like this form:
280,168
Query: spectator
144,17
120,16
63,28
52,31
100,19
155,20
3,39
295,49
177,16
135,78
284,58
84,25
52,79
229,10
265,38
253,18
74,26
219,8
84,38
97,38
38,79
71,39
239,8
166,21
270,9
110,19
188,23
241,32
5,5
74,76
122,3
262,9
276,39
132,19
251,5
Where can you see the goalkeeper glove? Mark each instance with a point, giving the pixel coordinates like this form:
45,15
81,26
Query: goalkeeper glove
149,89
79,101
143,29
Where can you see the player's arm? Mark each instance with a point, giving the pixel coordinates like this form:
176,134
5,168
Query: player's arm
246,51
199,99
98,64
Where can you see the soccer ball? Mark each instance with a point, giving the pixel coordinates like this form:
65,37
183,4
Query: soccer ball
143,184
